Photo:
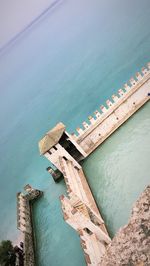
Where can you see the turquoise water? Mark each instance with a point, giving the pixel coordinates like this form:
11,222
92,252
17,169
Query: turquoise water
62,69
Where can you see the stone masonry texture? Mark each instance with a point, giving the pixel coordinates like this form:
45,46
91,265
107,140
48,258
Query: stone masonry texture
131,245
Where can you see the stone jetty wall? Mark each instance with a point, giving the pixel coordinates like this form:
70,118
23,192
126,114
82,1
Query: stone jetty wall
24,222
116,111
80,212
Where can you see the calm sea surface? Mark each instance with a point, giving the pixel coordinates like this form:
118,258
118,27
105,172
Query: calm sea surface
62,69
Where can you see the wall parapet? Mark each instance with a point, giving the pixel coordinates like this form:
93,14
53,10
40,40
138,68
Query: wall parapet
25,223
128,87
80,212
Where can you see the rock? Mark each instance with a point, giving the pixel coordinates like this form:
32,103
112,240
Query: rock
131,245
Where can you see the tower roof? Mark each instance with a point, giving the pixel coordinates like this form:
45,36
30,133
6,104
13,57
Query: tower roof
51,138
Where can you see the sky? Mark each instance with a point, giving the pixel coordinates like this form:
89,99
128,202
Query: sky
15,15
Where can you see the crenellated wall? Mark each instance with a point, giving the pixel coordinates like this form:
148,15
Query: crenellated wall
24,222
81,213
116,111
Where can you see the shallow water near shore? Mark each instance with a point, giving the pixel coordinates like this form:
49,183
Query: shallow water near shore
62,69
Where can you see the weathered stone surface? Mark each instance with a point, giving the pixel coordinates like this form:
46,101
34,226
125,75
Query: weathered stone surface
24,222
131,245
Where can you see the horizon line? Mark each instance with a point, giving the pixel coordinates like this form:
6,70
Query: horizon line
18,35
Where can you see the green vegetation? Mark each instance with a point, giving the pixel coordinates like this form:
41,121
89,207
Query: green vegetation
7,254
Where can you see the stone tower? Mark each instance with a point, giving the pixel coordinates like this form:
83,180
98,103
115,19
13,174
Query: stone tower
58,143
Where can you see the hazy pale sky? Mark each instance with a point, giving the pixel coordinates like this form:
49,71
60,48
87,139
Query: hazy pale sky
17,14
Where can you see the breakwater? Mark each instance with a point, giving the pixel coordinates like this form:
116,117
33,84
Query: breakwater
25,224
65,151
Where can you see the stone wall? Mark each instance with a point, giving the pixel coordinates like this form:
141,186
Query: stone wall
81,213
117,111
24,222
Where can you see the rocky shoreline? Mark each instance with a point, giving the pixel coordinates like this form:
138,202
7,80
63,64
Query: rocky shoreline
131,245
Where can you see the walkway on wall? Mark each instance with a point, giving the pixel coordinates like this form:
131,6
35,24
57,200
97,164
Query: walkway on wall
81,212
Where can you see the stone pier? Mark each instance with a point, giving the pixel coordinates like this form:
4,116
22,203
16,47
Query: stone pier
25,223
81,212
123,105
